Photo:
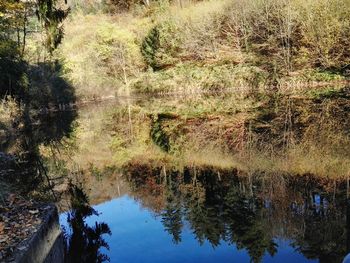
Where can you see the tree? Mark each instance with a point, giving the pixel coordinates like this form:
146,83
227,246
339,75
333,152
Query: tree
14,16
51,18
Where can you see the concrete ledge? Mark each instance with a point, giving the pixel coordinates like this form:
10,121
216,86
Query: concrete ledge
46,245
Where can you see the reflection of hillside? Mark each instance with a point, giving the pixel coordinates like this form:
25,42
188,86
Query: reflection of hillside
250,212
275,134
104,189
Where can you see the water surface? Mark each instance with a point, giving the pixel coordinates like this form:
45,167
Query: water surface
203,178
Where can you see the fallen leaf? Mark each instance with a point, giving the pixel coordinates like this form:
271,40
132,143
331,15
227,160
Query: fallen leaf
11,199
3,239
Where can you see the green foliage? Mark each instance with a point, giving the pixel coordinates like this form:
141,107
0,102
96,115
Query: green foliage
161,46
13,79
329,93
150,46
110,58
10,112
322,76
51,18
15,17
157,133
117,52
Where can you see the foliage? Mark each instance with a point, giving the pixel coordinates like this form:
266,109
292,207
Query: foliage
119,5
157,133
161,45
325,27
10,112
48,89
190,78
207,45
51,18
110,57
117,52
15,21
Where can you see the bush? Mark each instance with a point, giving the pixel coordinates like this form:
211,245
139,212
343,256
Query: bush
190,78
208,45
47,87
117,52
325,29
293,34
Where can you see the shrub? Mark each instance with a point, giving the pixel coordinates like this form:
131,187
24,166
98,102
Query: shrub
117,52
325,29
292,34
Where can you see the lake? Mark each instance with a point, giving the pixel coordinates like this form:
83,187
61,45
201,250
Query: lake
198,178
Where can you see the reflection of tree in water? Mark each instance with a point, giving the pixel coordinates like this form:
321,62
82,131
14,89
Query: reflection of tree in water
28,170
244,213
203,213
83,241
324,233
244,225
228,215
172,218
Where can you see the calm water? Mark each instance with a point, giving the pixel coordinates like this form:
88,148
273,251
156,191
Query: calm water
196,179
204,219
140,236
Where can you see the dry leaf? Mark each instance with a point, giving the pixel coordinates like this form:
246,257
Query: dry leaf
11,199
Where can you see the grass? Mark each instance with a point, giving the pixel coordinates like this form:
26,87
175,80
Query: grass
192,78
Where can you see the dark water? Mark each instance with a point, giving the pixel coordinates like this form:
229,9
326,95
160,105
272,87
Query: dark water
200,211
